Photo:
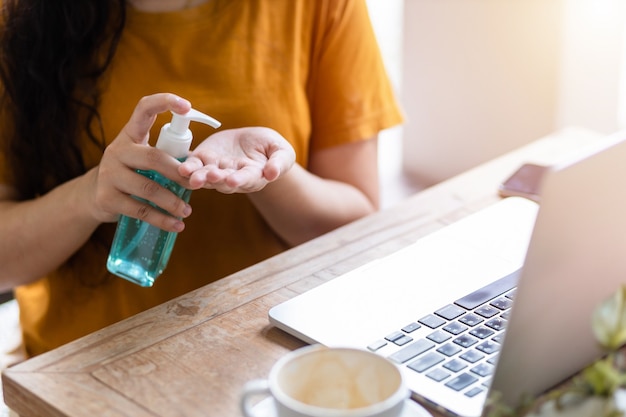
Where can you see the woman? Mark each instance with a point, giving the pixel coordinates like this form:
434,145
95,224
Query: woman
88,84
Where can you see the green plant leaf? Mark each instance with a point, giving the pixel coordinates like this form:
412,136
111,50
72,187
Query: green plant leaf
609,321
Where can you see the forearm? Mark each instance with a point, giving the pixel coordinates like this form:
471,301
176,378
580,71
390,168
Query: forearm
36,236
301,206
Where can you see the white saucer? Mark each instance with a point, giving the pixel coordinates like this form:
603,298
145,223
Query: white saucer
266,408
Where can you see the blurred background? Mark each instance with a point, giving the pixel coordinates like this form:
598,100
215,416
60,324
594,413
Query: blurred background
478,78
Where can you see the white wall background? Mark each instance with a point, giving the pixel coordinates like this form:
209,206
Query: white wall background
593,73
387,19
478,78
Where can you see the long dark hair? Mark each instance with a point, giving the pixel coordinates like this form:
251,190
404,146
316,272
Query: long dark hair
52,53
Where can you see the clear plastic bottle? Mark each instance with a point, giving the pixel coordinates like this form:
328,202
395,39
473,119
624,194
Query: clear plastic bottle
140,252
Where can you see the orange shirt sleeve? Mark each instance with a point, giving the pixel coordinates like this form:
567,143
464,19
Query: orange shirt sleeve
350,94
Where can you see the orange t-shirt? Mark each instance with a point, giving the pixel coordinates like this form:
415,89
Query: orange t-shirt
310,69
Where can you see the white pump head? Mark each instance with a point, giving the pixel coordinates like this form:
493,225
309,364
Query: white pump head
175,137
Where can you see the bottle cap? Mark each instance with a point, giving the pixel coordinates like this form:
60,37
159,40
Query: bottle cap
175,137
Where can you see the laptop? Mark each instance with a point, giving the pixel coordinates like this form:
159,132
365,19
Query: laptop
499,301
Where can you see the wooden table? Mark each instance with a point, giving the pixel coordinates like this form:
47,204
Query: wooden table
192,355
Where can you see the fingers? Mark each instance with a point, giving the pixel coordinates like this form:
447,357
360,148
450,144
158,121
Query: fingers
117,179
190,166
226,175
146,158
244,180
168,197
115,195
142,210
144,115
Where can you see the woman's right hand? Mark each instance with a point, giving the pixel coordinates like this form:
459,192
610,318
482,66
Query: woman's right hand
115,179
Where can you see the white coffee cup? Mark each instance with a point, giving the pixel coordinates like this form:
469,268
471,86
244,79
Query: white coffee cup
317,381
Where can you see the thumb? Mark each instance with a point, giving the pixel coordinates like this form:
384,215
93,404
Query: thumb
279,162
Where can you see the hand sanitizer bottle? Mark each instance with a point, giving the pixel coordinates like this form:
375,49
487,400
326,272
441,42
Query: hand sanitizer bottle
140,251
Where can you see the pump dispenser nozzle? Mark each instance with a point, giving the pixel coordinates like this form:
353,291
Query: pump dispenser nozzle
175,137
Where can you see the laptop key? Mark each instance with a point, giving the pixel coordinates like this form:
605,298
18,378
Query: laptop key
474,392
394,336
481,332
502,303
438,336
403,340
409,328
438,374
496,323
489,292
484,369
377,345
488,347
432,321
472,356
471,319
465,341
425,362
455,328
461,382
449,349
411,351
455,365
487,311
450,312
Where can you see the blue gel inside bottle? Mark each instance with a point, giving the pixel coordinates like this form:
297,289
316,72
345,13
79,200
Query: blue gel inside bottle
140,251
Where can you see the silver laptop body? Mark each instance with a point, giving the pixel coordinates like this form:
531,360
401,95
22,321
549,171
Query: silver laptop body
541,269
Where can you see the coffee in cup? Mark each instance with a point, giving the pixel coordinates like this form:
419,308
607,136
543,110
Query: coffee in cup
317,381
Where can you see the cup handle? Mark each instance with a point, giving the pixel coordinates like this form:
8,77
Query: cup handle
256,387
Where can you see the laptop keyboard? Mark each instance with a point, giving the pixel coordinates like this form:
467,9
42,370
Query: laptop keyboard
463,339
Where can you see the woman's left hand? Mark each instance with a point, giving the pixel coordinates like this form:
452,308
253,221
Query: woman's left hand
240,160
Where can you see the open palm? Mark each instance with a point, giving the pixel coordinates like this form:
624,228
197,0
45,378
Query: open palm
238,160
